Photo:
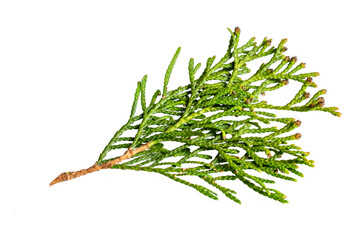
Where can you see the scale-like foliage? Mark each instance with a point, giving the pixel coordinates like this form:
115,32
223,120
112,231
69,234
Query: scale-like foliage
221,111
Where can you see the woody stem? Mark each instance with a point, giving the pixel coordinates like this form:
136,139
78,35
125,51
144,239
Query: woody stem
71,175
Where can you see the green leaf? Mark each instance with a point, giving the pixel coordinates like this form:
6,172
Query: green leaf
143,97
169,70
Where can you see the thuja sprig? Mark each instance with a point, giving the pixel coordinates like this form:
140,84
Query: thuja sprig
220,110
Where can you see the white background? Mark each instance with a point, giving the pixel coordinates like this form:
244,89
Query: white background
68,70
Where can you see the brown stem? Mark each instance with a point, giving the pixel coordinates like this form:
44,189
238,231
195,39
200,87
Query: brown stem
71,175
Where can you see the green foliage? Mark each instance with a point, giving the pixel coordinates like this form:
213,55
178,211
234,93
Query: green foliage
203,118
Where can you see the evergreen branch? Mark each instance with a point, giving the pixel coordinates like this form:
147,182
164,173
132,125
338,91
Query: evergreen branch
205,114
